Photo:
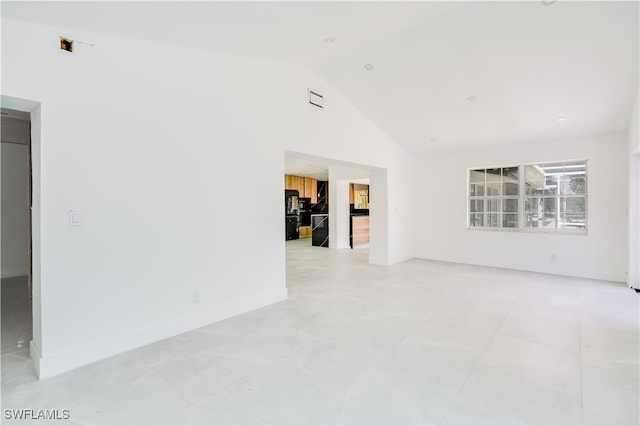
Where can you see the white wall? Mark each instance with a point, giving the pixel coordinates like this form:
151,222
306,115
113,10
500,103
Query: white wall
441,197
634,197
154,145
401,209
15,210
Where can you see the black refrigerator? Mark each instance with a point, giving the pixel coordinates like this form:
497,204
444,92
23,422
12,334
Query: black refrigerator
304,210
292,215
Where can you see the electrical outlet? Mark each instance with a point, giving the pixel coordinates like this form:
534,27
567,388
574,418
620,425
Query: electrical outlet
195,298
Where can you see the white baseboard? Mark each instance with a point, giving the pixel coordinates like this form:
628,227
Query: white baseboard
36,357
54,364
557,269
389,261
399,259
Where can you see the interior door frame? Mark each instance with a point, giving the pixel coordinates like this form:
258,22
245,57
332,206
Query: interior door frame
34,108
30,216
24,140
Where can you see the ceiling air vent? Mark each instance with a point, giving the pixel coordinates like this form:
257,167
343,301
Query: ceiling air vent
316,99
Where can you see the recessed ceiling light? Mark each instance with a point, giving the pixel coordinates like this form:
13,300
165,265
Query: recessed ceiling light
472,98
561,119
547,2
368,67
329,40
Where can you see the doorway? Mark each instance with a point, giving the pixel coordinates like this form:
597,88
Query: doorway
16,283
359,214
339,176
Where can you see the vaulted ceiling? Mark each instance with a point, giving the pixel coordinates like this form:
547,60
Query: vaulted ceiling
432,75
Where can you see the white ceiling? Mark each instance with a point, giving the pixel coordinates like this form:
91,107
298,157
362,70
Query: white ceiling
318,167
302,165
526,63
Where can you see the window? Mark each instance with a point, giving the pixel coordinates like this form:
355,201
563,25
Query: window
494,197
543,197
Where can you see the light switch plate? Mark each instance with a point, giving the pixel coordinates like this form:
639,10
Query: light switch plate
75,219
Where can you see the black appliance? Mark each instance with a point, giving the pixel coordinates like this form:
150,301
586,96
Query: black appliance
292,227
304,209
291,202
291,218
320,230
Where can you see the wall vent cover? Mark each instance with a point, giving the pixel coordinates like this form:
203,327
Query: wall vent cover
316,99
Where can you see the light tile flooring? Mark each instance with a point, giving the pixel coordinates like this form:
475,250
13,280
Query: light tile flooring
421,342
16,314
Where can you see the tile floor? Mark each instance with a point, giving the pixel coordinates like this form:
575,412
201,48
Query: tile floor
421,342
16,314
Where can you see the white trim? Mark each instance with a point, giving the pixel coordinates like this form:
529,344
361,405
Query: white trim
34,110
36,357
553,231
581,272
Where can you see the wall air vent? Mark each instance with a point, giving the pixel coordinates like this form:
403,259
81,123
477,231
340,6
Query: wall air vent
316,99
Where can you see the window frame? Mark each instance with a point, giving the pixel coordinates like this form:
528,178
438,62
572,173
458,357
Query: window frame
522,197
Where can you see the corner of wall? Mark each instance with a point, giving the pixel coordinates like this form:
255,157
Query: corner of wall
633,136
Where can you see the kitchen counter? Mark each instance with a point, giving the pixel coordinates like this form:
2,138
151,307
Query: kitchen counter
320,230
359,230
